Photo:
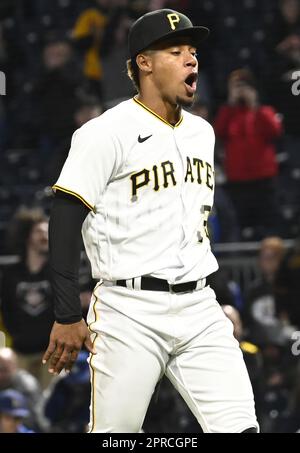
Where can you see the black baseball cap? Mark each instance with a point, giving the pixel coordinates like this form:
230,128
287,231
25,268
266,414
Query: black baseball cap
159,25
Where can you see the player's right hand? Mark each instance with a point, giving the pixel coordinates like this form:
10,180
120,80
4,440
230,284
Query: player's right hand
66,340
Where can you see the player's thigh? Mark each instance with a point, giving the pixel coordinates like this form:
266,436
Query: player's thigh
124,373
211,376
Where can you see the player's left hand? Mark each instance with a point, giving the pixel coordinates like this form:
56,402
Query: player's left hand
66,340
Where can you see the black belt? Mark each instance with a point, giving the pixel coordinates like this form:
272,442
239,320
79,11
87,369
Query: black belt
157,284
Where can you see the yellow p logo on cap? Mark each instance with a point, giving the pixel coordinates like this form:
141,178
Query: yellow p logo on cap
173,19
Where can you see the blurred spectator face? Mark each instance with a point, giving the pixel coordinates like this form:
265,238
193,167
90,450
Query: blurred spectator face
9,424
241,92
290,10
13,409
270,256
38,238
241,89
293,42
235,318
8,367
290,46
56,55
269,261
87,113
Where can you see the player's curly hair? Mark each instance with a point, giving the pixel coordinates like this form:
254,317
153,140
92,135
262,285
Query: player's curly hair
133,73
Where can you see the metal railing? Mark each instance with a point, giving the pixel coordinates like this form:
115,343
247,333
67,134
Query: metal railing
238,259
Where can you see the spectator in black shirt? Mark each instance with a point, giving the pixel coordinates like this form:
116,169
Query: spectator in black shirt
260,313
287,287
25,292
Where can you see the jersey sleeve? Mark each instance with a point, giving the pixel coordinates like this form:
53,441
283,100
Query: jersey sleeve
89,166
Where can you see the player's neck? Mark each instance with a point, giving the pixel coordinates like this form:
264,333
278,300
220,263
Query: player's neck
169,112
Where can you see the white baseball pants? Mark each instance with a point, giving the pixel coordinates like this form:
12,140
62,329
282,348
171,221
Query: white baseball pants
140,335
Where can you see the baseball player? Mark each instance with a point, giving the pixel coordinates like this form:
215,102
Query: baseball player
139,182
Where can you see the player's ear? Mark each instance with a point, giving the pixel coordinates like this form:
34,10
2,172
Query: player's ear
144,62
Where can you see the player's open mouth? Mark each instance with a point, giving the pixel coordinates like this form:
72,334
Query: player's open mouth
191,82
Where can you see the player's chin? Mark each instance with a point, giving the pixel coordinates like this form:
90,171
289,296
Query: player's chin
186,101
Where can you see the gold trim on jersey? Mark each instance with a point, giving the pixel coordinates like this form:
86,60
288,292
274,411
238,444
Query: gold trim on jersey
70,192
93,410
249,347
156,115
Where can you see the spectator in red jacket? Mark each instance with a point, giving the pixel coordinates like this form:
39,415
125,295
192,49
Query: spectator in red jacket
248,130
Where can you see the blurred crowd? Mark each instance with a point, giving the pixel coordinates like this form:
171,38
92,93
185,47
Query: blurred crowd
65,63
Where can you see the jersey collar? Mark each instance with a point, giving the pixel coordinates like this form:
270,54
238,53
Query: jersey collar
156,115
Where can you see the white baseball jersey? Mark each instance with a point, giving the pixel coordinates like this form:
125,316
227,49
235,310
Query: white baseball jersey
150,189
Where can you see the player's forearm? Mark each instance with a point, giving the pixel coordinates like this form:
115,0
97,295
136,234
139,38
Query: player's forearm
66,220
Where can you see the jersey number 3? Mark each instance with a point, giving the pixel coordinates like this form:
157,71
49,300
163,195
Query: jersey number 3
205,211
